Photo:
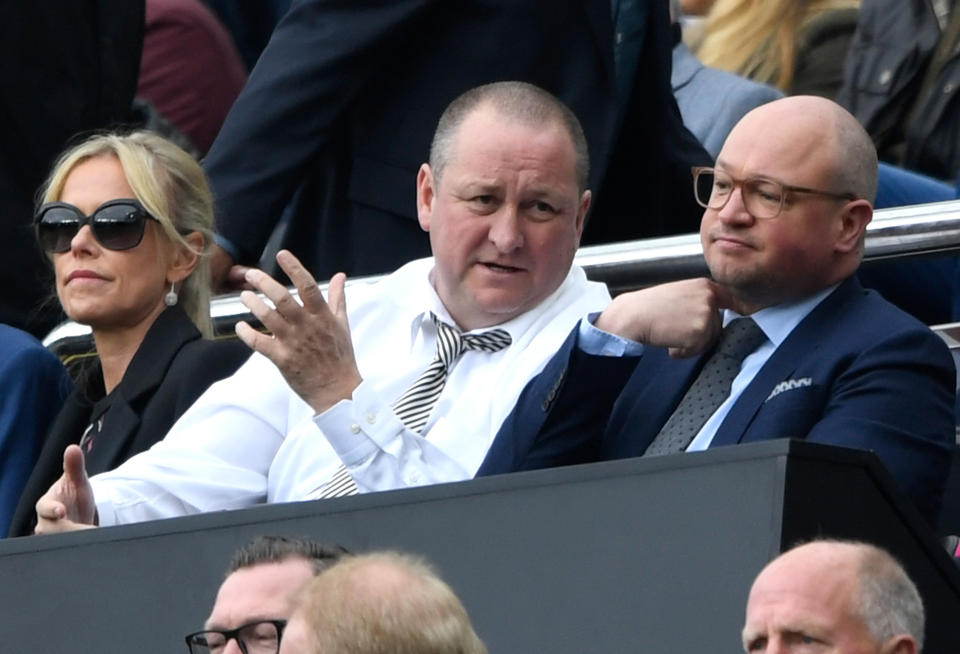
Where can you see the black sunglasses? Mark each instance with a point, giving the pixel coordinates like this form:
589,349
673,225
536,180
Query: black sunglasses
117,224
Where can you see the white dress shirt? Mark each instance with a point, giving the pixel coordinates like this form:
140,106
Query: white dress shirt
776,322
251,439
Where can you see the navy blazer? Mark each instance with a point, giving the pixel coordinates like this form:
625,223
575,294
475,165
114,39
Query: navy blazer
33,386
856,372
171,369
341,108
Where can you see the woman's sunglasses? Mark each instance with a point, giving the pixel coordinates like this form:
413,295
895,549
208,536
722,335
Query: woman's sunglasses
117,225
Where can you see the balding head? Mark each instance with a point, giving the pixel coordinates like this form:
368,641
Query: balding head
380,603
810,176
847,597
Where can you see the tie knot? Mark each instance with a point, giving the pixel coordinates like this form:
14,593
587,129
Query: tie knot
451,342
741,337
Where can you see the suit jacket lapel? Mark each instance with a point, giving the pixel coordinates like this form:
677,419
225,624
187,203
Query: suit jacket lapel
812,333
171,330
649,398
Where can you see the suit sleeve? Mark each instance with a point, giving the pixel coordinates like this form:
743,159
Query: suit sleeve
293,105
33,385
561,414
897,399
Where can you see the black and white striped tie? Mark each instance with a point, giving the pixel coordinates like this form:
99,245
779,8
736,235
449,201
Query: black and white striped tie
414,406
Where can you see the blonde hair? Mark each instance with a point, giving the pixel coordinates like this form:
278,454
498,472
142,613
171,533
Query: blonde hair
758,38
171,185
385,603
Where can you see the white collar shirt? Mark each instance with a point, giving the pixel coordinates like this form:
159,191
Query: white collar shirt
250,438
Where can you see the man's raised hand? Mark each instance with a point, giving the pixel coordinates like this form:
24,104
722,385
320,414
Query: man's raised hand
311,343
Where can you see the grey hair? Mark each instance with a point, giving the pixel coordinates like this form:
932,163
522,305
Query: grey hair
519,101
887,600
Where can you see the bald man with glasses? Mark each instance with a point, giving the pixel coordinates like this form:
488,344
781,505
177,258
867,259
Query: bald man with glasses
781,342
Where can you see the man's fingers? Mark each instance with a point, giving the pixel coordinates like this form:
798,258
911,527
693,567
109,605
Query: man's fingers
50,509
257,341
276,292
74,469
271,319
306,285
337,299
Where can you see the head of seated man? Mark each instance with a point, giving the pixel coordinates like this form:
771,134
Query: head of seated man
834,596
790,199
380,603
255,599
504,199
780,342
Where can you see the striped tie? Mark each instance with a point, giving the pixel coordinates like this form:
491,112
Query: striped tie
414,406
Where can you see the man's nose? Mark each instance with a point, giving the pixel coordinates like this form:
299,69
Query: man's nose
506,230
735,210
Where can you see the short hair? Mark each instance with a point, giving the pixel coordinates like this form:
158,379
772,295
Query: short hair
385,603
277,549
855,166
887,599
171,185
522,102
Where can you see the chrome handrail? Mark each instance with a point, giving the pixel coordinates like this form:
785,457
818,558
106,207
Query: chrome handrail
900,232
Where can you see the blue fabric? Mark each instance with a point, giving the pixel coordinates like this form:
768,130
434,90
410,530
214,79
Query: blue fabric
927,288
868,377
33,386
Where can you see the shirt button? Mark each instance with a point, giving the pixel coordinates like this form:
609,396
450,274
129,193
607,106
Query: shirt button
948,88
371,417
355,428
885,77
619,38
413,478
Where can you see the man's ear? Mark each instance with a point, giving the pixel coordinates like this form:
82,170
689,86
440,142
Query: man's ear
426,193
856,215
185,259
900,644
582,213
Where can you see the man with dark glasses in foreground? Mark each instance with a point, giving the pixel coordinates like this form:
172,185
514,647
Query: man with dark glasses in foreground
256,597
781,343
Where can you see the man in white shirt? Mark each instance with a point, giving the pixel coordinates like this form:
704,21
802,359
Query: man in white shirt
504,199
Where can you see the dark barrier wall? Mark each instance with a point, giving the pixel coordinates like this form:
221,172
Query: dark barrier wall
639,555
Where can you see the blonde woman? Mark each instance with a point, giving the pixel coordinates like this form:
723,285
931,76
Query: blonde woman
126,221
799,46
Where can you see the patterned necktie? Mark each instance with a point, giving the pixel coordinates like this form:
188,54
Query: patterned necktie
741,337
414,406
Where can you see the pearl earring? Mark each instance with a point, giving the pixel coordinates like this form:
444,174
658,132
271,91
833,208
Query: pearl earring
170,299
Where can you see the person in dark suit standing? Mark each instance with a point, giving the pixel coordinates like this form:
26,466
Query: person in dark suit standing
126,222
69,66
340,109
818,357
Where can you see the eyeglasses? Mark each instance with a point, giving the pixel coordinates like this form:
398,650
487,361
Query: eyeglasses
762,198
117,224
260,637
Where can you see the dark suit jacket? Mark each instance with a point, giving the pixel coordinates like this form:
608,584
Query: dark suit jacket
865,375
33,386
168,373
342,106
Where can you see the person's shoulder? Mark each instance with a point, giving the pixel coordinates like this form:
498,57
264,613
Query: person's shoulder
873,319
222,353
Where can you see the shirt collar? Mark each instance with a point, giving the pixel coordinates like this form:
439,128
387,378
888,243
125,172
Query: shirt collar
778,321
423,296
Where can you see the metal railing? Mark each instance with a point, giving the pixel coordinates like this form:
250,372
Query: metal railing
901,232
